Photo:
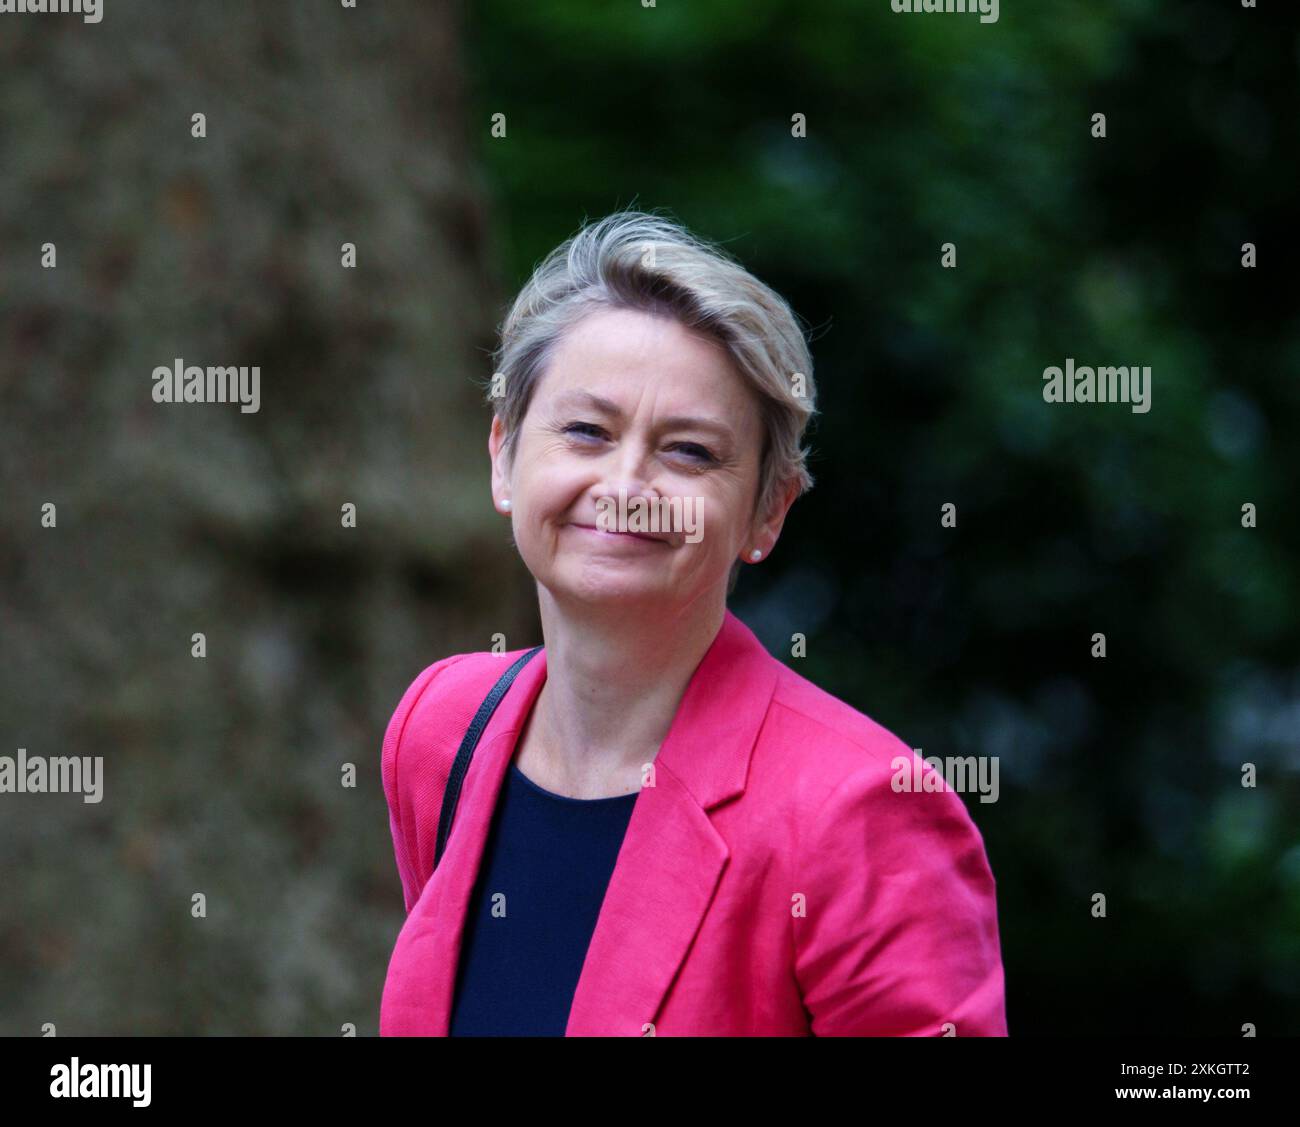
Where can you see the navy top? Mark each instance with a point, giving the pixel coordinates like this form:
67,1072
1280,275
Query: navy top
546,864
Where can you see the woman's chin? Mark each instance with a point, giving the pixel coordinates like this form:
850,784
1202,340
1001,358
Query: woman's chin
623,586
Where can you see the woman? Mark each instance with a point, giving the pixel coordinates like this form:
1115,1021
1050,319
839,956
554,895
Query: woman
664,830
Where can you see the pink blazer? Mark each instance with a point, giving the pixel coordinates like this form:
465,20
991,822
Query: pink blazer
772,881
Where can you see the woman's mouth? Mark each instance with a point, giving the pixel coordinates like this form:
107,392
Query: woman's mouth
592,530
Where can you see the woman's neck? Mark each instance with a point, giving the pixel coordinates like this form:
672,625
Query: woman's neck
614,680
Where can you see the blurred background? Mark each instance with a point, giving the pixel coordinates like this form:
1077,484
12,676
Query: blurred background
372,125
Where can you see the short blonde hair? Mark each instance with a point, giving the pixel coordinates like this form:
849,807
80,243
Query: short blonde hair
642,261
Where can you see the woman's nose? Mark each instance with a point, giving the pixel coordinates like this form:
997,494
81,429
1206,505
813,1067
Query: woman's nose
630,469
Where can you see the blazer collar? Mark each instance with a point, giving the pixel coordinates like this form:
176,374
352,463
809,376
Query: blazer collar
711,737
671,858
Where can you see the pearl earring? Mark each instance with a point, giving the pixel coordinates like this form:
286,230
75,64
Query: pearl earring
505,504
756,555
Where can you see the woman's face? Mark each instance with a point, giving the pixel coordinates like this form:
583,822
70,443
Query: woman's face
635,402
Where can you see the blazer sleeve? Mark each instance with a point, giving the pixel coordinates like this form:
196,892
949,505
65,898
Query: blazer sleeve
414,797
900,935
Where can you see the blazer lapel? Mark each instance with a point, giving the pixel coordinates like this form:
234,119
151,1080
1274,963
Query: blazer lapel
662,884
672,858
452,884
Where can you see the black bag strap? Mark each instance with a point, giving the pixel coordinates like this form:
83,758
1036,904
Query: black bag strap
459,768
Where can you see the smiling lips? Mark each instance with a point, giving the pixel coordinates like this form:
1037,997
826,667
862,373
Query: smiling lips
620,535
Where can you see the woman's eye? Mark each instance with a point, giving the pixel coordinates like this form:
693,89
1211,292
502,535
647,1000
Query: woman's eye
693,450
696,451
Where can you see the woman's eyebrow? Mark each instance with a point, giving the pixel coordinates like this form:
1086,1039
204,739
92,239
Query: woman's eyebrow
608,407
588,399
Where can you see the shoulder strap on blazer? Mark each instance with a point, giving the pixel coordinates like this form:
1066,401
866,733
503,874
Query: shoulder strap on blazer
459,768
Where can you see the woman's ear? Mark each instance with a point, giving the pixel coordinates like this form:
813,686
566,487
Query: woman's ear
767,530
497,451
